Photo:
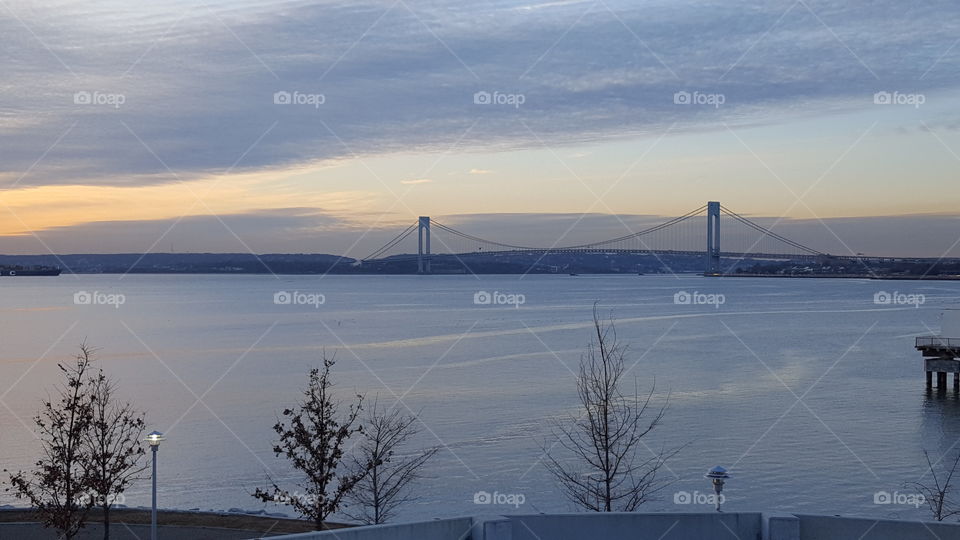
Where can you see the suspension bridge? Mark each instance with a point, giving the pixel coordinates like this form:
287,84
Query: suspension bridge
696,233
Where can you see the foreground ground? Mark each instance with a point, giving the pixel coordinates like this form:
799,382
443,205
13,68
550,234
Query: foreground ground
139,516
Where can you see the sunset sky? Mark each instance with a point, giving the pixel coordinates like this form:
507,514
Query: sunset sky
144,127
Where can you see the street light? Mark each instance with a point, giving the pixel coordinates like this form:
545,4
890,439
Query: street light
154,439
717,475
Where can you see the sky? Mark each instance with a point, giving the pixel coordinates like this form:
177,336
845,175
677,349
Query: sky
289,126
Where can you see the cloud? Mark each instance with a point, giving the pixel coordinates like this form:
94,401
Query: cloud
479,171
283,230
198,91
416,181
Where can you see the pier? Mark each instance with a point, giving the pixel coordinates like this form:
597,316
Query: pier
941,354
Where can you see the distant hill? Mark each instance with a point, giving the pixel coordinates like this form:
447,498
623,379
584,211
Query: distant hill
306,263
186,263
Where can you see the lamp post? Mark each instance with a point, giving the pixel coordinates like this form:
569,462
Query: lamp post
717,475
154,439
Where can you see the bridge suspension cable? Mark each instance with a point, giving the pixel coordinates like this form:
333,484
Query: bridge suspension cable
664,225
396,240
768,232
592,245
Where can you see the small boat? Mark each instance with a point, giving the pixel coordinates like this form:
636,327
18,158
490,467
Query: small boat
29,271
572,274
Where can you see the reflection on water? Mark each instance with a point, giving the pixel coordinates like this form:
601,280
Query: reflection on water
940,422
809,393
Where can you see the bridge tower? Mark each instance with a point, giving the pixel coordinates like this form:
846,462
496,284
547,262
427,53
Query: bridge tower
423,245
713,238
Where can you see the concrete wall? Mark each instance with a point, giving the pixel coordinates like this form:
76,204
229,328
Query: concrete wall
441,529
118,531
635,526
830,527
615,526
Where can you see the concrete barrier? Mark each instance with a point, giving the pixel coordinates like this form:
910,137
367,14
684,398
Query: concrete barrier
778,526
119,531
832,527
612,526
441,529
635,526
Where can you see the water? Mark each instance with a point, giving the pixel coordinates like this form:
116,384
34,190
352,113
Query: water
809,392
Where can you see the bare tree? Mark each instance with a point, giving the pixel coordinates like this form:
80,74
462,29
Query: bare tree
606,470
112,451
57,488
937,496
312,438
386,474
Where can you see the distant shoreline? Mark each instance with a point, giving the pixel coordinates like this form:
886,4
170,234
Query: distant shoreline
848,276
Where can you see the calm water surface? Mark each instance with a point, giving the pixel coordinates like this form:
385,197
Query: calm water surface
809,392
